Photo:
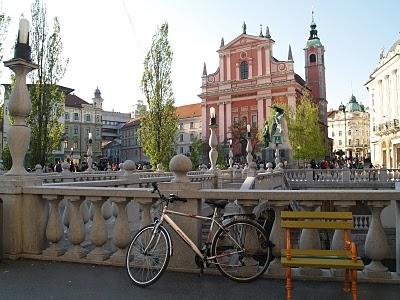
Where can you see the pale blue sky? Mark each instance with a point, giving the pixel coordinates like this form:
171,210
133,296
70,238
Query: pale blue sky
105,50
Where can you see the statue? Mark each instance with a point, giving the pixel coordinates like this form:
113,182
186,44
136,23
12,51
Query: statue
244,28
266,134
277,124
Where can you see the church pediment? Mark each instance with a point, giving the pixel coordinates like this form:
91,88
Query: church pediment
243,40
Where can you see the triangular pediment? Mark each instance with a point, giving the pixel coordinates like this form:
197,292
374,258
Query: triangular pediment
243,40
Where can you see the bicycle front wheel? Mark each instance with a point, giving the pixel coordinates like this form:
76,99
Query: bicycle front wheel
148,255
242,250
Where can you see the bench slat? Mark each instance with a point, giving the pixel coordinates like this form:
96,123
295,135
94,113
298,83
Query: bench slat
317,253
317,224
316,215
323,263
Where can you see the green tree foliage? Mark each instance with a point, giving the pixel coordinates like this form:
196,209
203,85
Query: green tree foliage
159,124
304,130
6,157
195,154
239,137
47,98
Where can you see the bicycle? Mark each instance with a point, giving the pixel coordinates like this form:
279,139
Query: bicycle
240,249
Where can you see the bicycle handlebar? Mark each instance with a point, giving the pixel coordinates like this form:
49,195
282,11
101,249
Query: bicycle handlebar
171,197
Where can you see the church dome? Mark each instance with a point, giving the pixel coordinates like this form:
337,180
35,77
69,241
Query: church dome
353,105
314,43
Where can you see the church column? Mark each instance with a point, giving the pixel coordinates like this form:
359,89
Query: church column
292,98
259,62
268,102
204,123
260,115
228,109
221,68
221,119
237,72
268,64
228,67
250,69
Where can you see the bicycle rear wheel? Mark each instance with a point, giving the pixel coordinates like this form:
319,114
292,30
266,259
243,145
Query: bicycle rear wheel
242,250
146,267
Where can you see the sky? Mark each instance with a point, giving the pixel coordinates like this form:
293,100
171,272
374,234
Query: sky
106,41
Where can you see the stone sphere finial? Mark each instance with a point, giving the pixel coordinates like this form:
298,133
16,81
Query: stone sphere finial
180,165
65,167
129,167
121,167
38,169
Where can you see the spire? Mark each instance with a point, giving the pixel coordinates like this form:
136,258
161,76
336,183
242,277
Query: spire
244,26
204,70
290,56
222,42
267,34
261,34
313,31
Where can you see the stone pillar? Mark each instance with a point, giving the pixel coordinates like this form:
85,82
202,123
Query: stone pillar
221,118
376,244
228,67
54,230
278,239
76,230
121,231
98,234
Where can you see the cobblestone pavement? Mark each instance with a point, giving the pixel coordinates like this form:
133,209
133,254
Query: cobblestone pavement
28,279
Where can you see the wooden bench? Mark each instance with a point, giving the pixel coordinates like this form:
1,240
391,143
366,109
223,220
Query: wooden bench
315,258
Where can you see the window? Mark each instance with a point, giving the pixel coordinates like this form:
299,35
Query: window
190,149
181,126
333,133
313,58
75,145
244,121
349,132
349,142
191,125
136,152
65,144
340,133
235,120
254,121
191,137
357,142
181,138
76,117
76,130
340,142
66,116
87,118
181,150
244,70
66,130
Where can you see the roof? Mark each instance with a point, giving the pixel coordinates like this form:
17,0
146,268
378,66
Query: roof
131,123
299,79
72,100
314,43
189,111
353,105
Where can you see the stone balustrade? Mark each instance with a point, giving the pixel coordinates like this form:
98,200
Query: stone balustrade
65,232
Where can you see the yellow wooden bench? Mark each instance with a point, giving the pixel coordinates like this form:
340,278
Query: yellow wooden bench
315,258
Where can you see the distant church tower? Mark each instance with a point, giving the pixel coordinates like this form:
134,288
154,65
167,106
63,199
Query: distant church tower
315,71
97,100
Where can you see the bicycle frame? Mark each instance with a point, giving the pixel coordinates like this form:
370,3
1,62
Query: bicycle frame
185,238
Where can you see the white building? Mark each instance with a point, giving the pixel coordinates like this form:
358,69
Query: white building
384,94
349,128
189,127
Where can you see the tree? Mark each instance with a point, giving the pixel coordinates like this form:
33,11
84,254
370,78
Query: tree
195,153
304,130
47,98
239,137
160,123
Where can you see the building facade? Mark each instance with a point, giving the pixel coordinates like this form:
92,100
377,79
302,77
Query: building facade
384,97
189,128
249,80
130,147
80,119
348,127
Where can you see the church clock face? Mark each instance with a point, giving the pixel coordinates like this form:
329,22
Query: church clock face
210,78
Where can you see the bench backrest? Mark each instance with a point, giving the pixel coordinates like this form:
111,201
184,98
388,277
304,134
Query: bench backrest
316,220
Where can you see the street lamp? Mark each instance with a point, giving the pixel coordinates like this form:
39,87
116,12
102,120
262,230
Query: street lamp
230,155
213,154
89,154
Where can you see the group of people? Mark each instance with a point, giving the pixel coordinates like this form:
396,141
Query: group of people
347,162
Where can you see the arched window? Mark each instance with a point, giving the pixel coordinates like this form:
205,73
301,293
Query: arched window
313,58
244,70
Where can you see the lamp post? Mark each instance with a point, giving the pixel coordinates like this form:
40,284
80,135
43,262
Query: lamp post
20,106
89,154
230,155
213,154
71,153
277,139
249,147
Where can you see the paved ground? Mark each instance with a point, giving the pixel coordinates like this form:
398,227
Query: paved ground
32,280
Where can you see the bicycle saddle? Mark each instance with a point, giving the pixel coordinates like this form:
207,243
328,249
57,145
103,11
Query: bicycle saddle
217,203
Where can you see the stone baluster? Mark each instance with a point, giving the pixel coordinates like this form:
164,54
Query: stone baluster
277,238
76,230
98,234
145,206
107,210
54,229
338,235
84,209
309,238
383,174
66,213
121,231
376,244
270,170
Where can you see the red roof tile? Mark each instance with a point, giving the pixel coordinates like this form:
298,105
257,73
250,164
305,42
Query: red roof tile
74,101
189,111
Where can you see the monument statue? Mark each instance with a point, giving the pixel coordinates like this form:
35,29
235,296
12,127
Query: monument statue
277,124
